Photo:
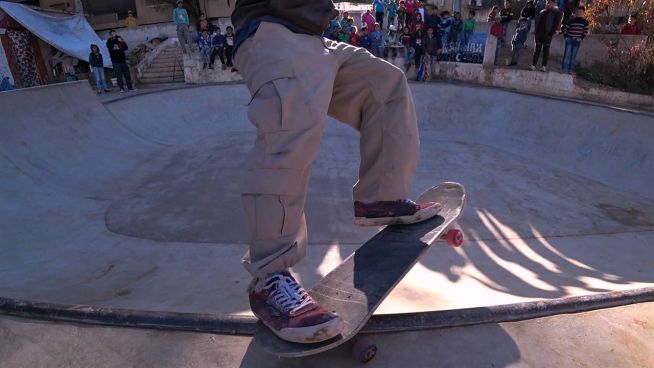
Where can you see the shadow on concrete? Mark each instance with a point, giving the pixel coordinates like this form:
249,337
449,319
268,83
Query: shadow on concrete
484,346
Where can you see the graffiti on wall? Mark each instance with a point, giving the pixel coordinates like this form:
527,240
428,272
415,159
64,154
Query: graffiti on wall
6,79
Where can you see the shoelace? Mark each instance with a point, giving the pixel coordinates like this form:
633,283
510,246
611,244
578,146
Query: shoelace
288,296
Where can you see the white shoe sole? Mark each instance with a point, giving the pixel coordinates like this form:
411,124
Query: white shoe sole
311,334
422,215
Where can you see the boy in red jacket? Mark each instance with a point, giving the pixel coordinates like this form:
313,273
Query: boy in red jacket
497,30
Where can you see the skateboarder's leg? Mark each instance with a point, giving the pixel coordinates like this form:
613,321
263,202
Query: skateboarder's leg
382,110
291,80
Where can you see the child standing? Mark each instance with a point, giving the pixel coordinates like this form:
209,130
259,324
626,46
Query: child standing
498,31
218,42
392,13
528,12
406,40
97,65
518,41
469,26
229,47
401,15
455,31
573,32
507,17
419,51
377,41
546,25
446,26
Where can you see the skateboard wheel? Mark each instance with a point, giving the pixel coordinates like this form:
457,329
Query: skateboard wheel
455,237
363,350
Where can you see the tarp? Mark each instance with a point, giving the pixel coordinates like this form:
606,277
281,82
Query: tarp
70,34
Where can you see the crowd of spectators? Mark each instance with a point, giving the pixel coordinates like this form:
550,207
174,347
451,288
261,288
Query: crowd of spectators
390,27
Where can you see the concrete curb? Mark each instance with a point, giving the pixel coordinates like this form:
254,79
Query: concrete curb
246,325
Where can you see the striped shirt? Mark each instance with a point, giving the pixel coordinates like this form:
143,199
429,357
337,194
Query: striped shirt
576,28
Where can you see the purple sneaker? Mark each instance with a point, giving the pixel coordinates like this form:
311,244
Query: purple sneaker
403,211
290,312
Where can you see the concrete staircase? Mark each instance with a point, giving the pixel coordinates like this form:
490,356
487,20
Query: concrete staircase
168,67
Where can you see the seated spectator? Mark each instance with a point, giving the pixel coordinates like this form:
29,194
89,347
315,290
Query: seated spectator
131,21
365,40
631,28
497,30
377,40
355,38
391,42
406,40
573,32
202,24
493,14
432,47
205,45
218,43
518,41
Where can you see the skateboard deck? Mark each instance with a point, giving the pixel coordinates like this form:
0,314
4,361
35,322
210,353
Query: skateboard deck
357,286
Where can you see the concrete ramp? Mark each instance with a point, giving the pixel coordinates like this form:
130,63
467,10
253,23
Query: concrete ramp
135,203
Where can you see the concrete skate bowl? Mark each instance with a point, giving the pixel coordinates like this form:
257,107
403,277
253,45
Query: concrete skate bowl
128,212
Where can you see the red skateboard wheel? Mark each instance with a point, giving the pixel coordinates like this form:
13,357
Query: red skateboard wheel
363,350
455,237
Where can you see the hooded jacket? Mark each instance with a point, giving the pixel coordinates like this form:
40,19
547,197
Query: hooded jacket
312,16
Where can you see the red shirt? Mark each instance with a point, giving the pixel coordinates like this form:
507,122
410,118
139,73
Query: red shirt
414,26
497,30
410,5
629,30
355,40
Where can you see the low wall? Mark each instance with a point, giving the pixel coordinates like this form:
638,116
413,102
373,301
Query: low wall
142,34
195,74
554,84
593,47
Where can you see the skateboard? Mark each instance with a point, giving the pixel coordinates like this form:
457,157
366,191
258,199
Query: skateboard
358,286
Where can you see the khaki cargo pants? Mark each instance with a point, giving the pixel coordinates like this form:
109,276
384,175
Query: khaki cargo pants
296,80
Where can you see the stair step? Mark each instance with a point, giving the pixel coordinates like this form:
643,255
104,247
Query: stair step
160,80
162,68
149,74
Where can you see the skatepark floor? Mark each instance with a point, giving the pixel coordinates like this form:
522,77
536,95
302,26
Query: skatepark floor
616,337
134,203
